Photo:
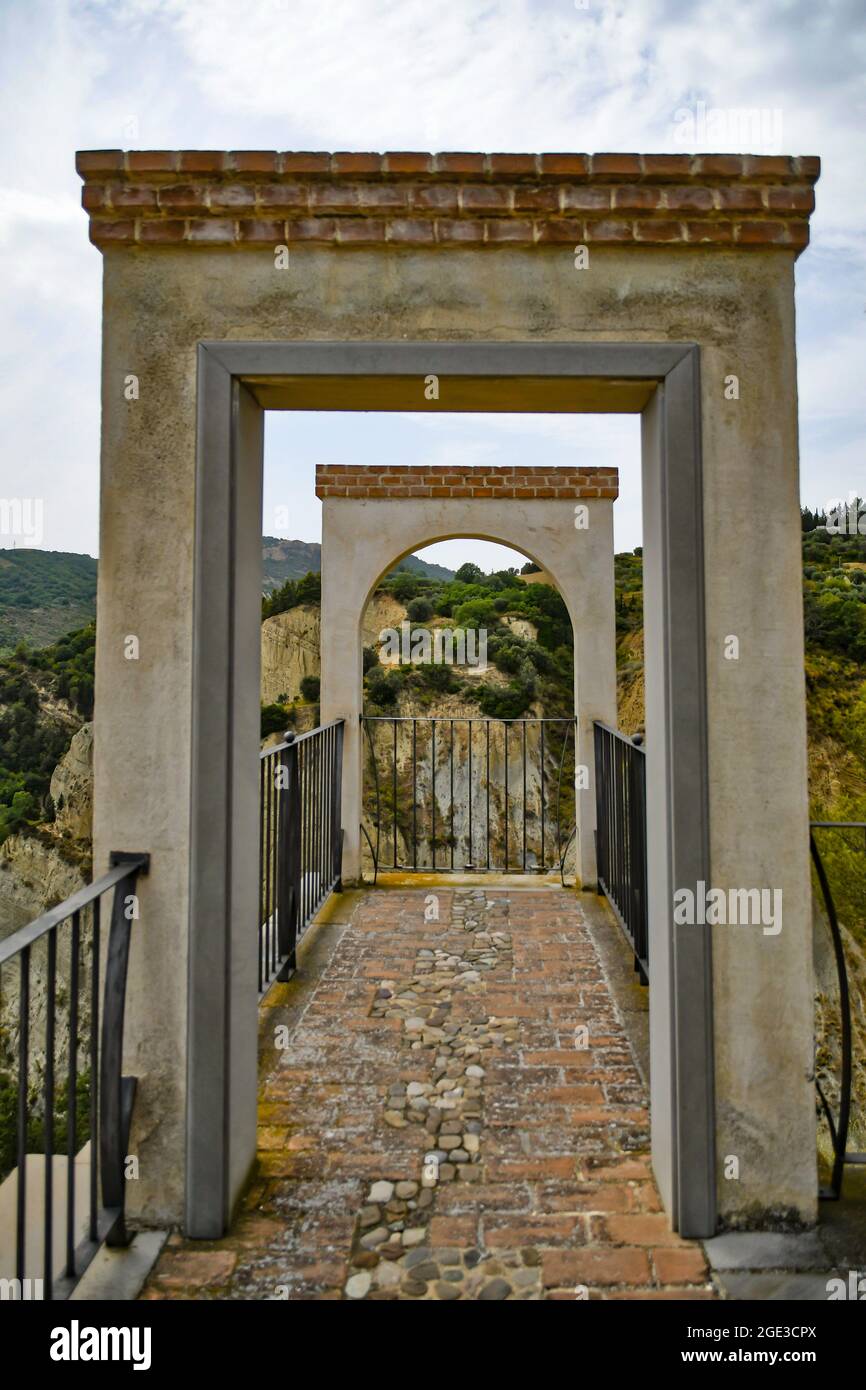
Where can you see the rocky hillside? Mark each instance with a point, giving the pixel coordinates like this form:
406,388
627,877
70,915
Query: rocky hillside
40,866
529,674
44,863
291,645
834,580
46,697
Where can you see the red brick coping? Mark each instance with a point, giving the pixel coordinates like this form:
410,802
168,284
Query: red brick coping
258,198
347,480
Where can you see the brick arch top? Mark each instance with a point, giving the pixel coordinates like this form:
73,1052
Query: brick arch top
259,198
478,483
517,483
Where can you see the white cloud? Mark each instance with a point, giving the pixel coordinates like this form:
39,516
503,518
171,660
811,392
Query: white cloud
481,74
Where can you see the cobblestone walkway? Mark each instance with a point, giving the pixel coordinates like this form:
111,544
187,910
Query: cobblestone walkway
456,1115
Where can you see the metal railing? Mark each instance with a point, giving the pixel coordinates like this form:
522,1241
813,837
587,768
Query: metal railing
65,1153
620,798
839,1124
464,794
300,843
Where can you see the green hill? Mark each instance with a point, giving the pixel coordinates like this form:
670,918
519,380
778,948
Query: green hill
282,560
43,594
46,593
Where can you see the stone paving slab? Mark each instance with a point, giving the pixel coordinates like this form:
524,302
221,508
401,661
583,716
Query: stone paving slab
779,1286
742,1250
455,1114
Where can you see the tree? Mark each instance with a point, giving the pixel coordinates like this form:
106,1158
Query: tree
380,690
274,719
404,586
419,610
469,574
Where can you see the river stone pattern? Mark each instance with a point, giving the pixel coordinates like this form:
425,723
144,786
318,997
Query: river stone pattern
444,1101
500,997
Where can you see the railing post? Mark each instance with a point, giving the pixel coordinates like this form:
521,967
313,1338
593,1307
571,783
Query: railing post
116,1091
838,1129
289,857
639,873
620,789
337,809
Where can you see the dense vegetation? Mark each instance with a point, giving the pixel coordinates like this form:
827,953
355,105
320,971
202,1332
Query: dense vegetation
535,670
291,594
834,597
834,610
834,593
32,738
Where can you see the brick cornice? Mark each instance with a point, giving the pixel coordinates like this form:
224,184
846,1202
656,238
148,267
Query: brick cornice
514,483
260,198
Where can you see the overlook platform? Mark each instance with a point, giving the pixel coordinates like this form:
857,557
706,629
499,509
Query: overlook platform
401,1037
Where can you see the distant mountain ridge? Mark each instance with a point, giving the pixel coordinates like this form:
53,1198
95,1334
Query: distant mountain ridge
287,559
45,594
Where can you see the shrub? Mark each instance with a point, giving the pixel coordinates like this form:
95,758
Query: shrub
310,687
437,677
419,610
382,690
274,719
477,612
292,593
404,586
507,657
496,702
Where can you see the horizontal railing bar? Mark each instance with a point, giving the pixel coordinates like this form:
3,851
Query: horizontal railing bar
300,738
454,719
25,936
627,739
838,824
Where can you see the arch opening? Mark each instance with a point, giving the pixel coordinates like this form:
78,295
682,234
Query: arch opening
363,537
470,753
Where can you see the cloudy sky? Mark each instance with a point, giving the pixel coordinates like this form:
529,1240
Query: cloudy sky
584,75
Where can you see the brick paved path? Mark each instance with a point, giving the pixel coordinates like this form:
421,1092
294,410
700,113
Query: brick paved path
456,1115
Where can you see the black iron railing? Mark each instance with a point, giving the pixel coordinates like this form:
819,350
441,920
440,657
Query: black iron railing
301,841
64,1153
464,794
839,1124
620,798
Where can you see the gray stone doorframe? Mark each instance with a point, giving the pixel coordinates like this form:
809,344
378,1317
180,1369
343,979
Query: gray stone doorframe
237,381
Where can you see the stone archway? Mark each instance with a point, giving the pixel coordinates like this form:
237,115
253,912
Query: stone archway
680,306
370,521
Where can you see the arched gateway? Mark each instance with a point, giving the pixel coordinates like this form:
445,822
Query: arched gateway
563,519
657,284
